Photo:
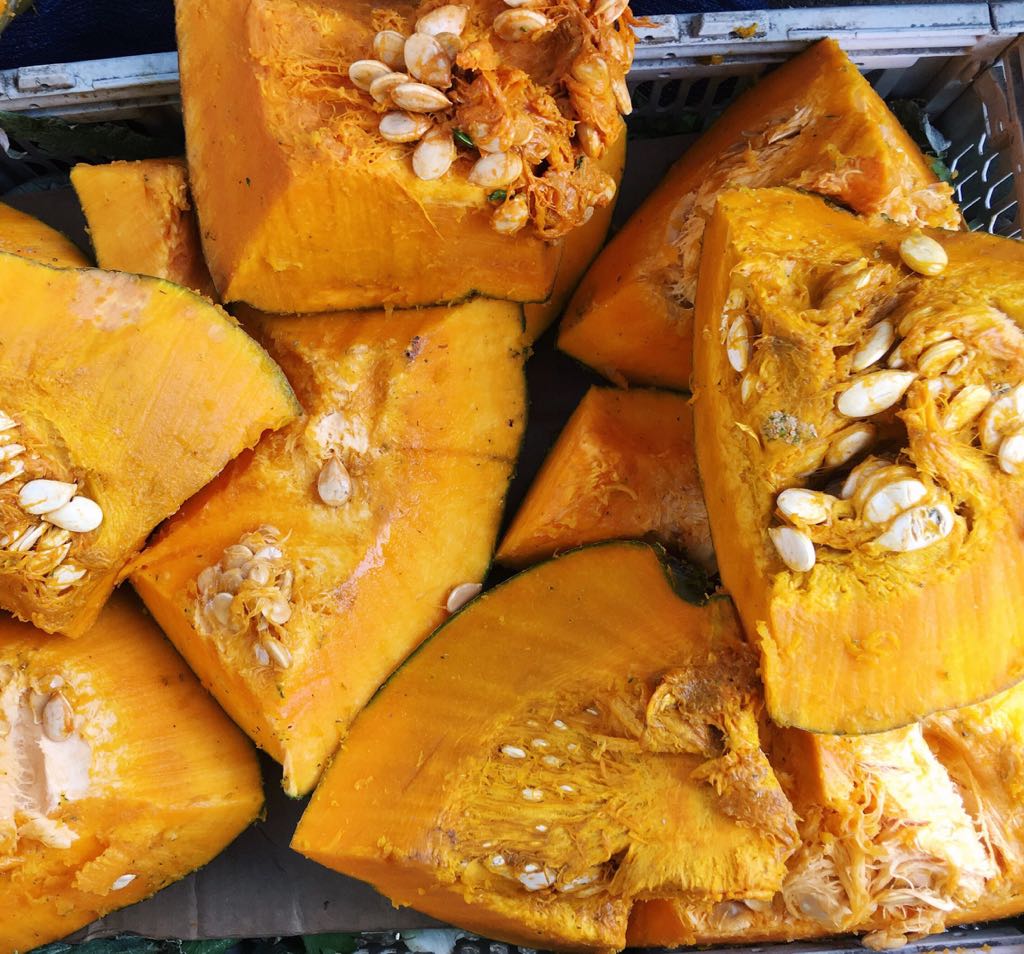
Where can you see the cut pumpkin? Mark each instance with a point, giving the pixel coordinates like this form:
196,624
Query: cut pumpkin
298,580
814,124
309,201
856,426
141,220
118,774
576,738
22,234
623,467
122,396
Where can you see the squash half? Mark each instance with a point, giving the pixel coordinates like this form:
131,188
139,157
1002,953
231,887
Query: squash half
22,234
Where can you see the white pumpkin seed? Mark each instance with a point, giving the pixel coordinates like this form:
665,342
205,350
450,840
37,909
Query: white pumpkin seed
808,506
592,70
122,882
220,608
1003,415
55,537
935,359
923,254
880,339
10,451
795,548
965,407
461,595
278,653
875,392
608,11
7,422
238,554
737,344
892,499
917,528
1011,453
231,580
276,611
208,579
268,553
590,140
533,794
620,90
519,24
262,656
511,216
66,574
536,880
259,573
389,48
513,751
80,514
451,18
363,72
333,484
450,43
434,156
404,127
28,538
748,387
58,718
426,60
41,496
848,443
12,470
496,169
419,98
381,87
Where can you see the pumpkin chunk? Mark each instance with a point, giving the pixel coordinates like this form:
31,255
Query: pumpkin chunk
299,579
118,773
22,234
574,739
815,124
852,439
141,220
460,171
624,466
122,396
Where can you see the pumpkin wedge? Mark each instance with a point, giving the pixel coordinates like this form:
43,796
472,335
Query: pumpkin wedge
118,773
122,396
22,234
624,466
460,173
856,433
574,739
815,124
141,213
298,580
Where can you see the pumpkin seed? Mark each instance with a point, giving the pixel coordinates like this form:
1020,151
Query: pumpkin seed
277,611
590,140
381,87
958,364
965,407
278,653
434,156
935,359
14,469
923,254
426,60
259,573
363,72
536,880
620,90
403,127
389,48
748,386
794,547
238,554
10,451
533,794
592,71
848,443
513,751
1004,414
522,3
518,24
220,608
511,216
450,43
262,656
41,496
58,718
917,528
451,18
66,574
28,538
333,484
80,514
461,595
122,882
1011,453
808,506
7,422
496,169
419,98
879,342
231,580
55,537
551,761
268,553
208,579
874,393
608,11
737,344
891,499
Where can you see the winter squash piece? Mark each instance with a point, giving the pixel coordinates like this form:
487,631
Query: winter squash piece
22,234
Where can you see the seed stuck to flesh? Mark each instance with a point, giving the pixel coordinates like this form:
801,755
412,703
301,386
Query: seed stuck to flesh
519,24
608,11
426,59
737,344
1004,415
434,156
236,555
794,548
381,87
937,358
363,72
848,443
965,407
620,90
451,18
220,608
80,515
404,127
461,595
278,653
917,528
533,795
262,656
511,216
43,496
1011,453
513,752
923,254
874,393
879,342
333,484
389,48
590,140
14,469
419,98
806,506
892,499
536,880
58,718
7,422
28,539
10,451
859,474
122,882
496,169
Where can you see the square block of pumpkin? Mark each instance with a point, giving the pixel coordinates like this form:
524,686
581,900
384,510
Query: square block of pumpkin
346,156
815,124
118,773
120,396
859,411
298,580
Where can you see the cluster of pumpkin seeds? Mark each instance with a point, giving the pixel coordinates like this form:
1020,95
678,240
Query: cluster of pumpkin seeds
415,76
249,592
41,546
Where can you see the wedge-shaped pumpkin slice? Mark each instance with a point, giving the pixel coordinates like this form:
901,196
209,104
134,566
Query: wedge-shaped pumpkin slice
574,739
624,466
887,850
121,397
22,234
857,436
298,580
118,773
460,172
141,220
814,123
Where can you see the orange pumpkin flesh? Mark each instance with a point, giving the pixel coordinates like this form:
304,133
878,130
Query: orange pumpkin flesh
623,467
118,774
141,213
815,124
103,385
22,234
912,604
423,411
574,739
